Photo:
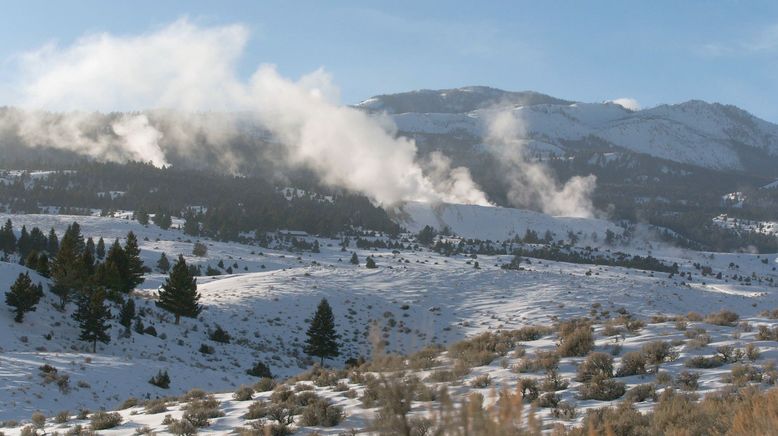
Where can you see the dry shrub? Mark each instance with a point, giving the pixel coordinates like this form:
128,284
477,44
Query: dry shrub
724,317
256,410
694,317
199,411
243,393
481,382
425,359
621,420
602,389
641,393
632,363
596,365
704,362
321,413
657,352
765,333
155,406
265,384
181,427
740,375
577,341
104,420
688,380
528,388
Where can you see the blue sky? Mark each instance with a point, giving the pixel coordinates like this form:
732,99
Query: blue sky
653,51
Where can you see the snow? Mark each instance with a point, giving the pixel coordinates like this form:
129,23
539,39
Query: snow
433,299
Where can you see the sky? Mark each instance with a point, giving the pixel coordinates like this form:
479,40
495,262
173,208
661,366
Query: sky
653,52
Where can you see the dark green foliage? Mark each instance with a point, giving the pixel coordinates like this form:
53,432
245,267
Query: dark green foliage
206,349
90,247
7,238
322,338
260,370
179,293
67,271
23,296
161,380
219,335
370,263
134,263
53,242
100,249
127,313
142,216
24,243
426,235
163,264
163,220
92,316
354,259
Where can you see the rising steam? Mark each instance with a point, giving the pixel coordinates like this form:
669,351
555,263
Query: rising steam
530,184
182,70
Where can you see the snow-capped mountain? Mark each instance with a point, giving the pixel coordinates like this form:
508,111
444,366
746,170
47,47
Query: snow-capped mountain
709,135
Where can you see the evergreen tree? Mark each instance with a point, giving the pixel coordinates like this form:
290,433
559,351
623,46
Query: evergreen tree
92,317
100,249
163,264
23,296
322,338
53,247
113,273
179,293
67,270
370,263
90,247
38,241
315,248
127,313
43,265
31,261
354,259
7,238
24,243
134,262
142,216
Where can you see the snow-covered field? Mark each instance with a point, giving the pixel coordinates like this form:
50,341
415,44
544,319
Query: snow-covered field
414,298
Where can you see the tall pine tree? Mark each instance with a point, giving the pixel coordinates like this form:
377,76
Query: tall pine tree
67,271
23,296
322,339
134,263
163,265
92,317
7,238
179,294
53,247
100,249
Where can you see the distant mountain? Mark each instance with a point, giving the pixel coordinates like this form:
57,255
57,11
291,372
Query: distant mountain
459,100
709,135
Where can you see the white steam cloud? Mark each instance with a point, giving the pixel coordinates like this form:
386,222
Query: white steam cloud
530,184
626,103
184,69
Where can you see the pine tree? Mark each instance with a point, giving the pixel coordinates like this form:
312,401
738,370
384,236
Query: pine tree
354,259
100,249
24,243
315,248
23,296
90,247
179,293
322,338
127,313
113,272
163,264
43,265
67,270
53,247
134,262
142,216
7,238
92,317
370,263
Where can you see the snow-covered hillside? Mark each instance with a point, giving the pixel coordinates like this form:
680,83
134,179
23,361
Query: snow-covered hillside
414,298
710,135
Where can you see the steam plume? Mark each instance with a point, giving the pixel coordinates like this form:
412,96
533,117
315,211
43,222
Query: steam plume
182,69
530,184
